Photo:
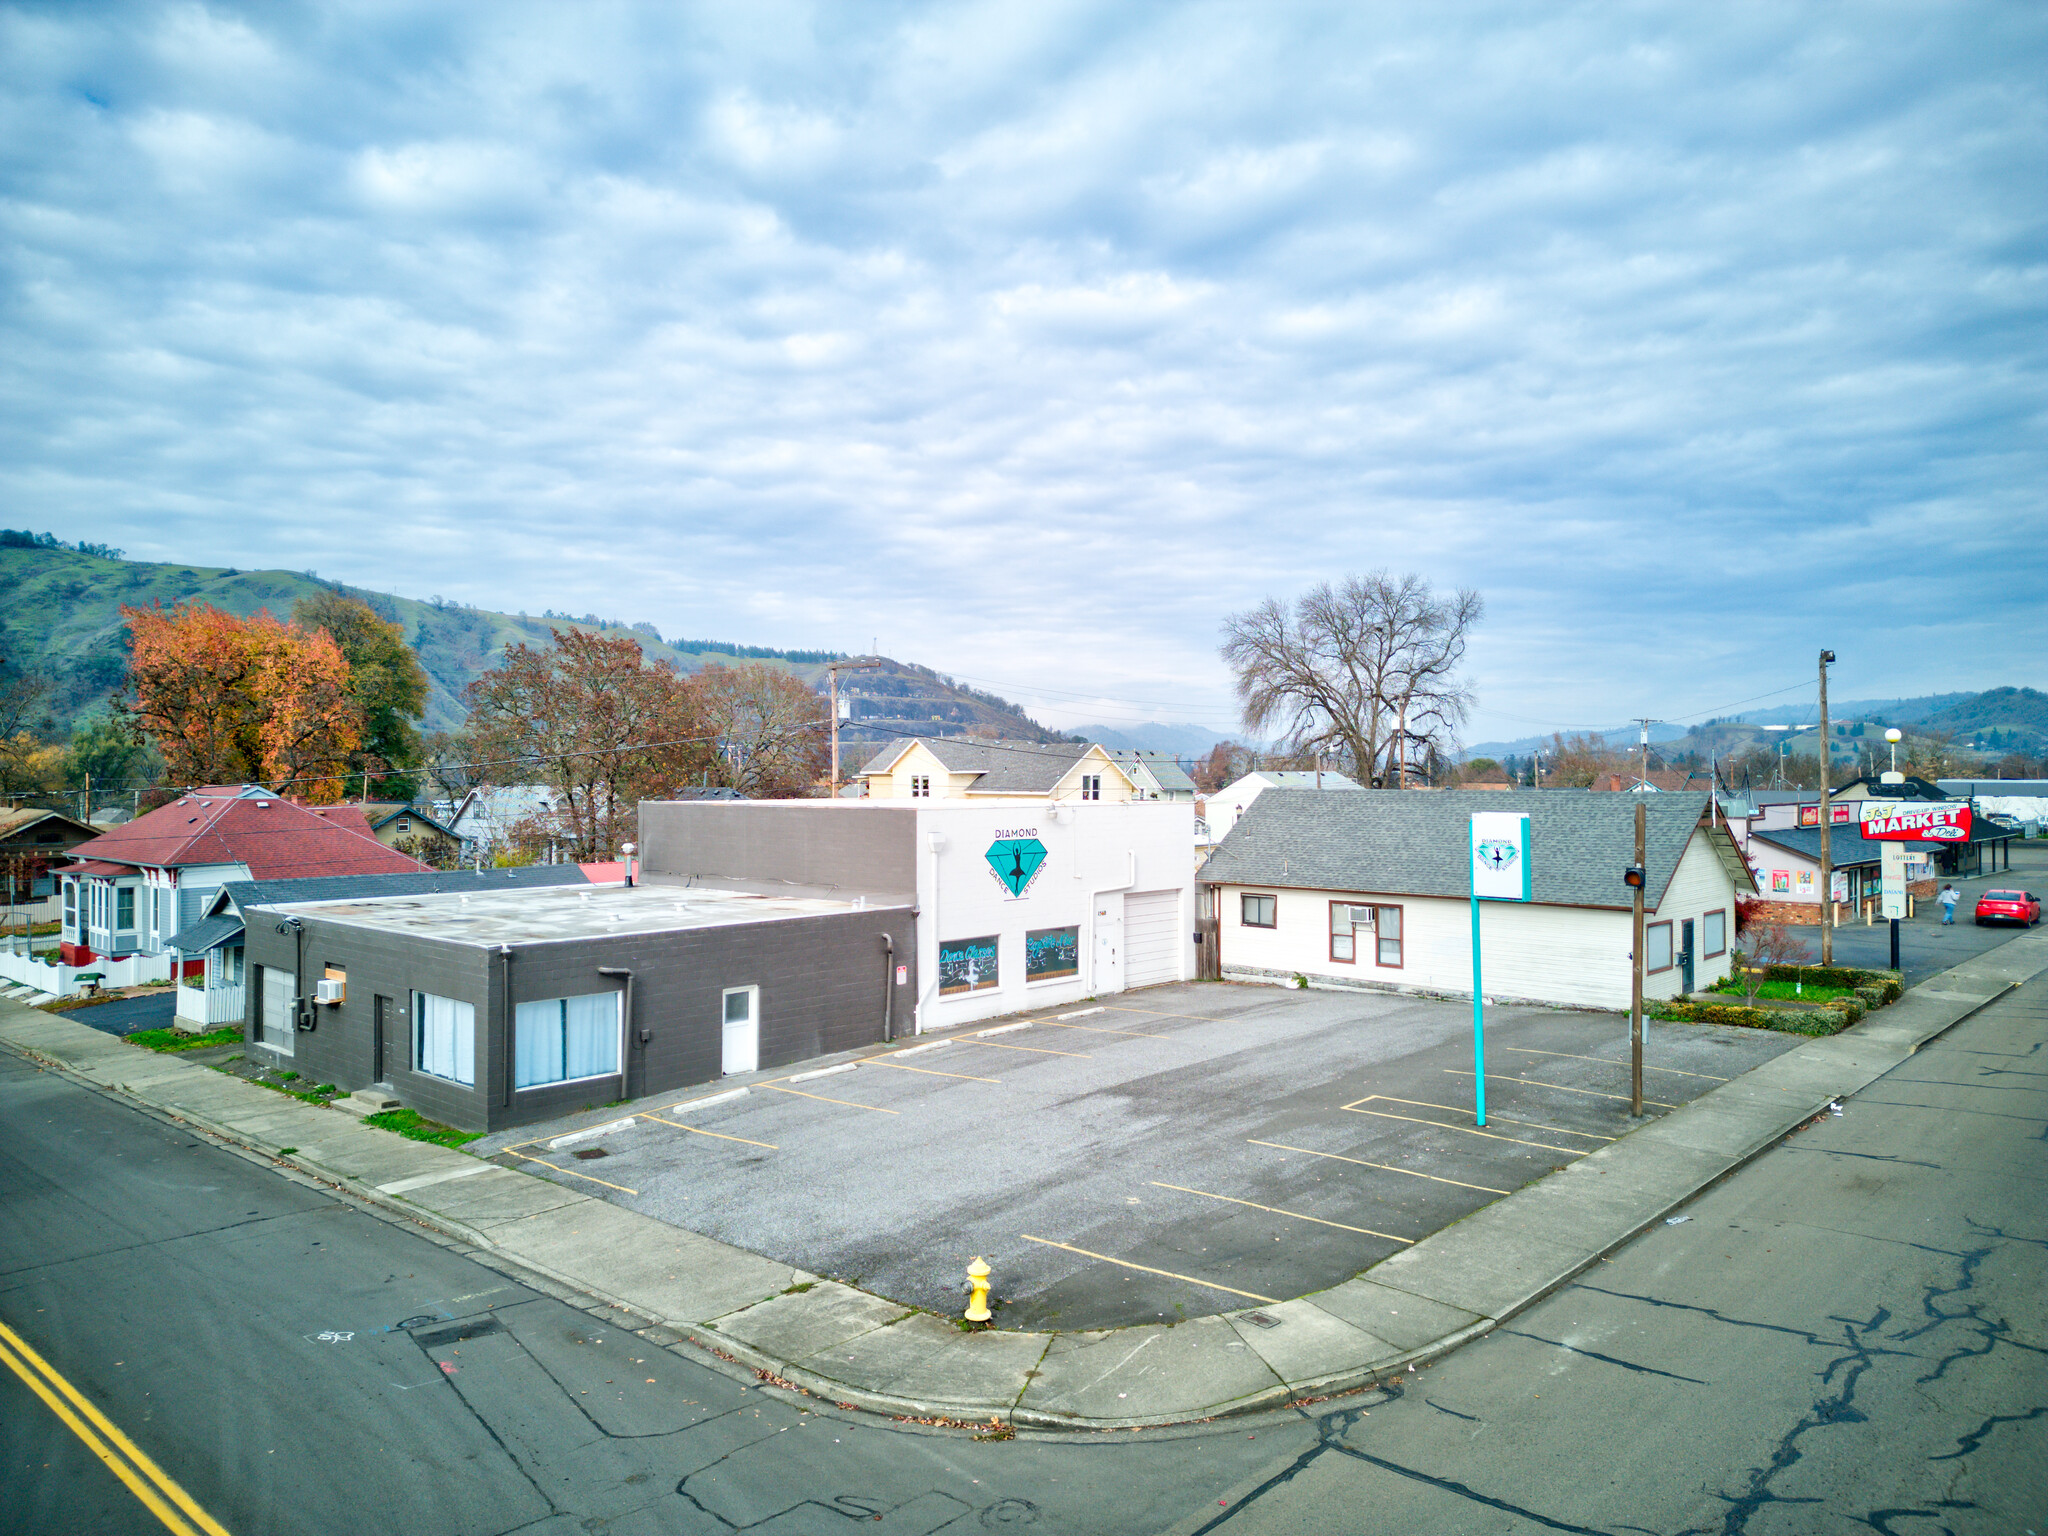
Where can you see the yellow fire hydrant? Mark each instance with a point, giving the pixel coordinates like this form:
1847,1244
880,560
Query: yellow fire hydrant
977,1288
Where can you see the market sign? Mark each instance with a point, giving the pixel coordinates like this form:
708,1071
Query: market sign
1906,821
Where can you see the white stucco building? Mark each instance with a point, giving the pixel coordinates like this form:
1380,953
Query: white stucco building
1370,889
1015,905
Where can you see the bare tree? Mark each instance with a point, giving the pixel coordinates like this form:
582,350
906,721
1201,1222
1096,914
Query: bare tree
1366,670
771,729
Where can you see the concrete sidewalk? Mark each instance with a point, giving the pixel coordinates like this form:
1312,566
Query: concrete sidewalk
852,1347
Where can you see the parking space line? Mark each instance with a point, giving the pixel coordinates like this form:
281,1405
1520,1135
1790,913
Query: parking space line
1537,1082
883,1061
824,1100
1136,1034
999,1045
1275,1210
694,1131
525,1158
1387,1167
1468,1130
1272,1301
1161,1013
1459,1109
1681,1072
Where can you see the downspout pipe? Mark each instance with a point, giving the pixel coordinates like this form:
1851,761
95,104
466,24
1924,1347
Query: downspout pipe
510,1015
638,1037
888,988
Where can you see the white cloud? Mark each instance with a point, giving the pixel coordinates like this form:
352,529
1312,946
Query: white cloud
1037,340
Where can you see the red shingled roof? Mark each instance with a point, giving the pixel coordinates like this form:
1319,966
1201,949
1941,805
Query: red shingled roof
229,824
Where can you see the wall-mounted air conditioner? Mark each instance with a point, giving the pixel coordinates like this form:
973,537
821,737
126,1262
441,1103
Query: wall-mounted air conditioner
330,992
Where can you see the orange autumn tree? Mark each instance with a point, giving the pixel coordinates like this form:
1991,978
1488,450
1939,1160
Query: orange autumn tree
231,701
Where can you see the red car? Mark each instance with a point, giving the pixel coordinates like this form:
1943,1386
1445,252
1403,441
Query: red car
2022,907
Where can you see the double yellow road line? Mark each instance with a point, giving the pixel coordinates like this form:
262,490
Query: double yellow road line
160,1495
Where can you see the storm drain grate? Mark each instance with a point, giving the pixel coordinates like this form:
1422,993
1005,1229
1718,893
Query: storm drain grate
587,1153
1260,1320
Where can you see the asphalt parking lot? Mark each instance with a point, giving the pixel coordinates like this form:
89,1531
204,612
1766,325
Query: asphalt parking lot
1176,1152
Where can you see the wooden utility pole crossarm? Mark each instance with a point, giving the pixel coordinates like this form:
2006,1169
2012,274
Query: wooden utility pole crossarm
832,671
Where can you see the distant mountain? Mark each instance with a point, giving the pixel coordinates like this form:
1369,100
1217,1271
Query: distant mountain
60,618
1180,740
1618,736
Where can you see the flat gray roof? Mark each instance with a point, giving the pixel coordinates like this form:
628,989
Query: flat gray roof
539,916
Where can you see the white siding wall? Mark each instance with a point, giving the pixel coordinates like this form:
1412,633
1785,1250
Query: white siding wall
1700,886
1574,956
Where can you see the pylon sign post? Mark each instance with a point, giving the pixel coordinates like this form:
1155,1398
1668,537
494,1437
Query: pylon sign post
1500,872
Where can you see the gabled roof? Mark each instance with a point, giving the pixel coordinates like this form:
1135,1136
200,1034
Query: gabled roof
1000,767
244,824
1292,778
1417,842
1163,767
19,820
1848,846
380,813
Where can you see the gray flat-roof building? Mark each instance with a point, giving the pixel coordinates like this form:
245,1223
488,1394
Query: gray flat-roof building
495,1008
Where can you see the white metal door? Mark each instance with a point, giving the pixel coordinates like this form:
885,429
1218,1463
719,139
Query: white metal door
1152,950
742,1051
280,988
1109,944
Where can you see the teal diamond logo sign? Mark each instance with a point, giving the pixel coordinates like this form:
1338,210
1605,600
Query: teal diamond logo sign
1015,861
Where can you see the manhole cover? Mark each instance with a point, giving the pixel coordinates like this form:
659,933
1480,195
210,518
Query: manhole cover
1260,1320
587,1153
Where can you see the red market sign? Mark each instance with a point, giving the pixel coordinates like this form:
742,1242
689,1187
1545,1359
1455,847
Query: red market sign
1899,821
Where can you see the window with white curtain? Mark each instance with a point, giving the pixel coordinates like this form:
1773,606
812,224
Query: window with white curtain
562,1039
444,1037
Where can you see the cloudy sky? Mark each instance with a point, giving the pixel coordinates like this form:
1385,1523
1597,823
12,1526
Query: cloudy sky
1030,340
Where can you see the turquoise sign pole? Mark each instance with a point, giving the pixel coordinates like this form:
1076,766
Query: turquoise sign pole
1478,1017
1500,872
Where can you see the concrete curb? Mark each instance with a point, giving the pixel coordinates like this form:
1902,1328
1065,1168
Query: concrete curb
859,1350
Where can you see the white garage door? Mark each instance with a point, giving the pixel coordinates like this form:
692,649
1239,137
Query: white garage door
280,990
1152,946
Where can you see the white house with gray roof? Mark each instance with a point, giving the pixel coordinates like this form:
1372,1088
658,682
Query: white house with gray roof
1370,889
993,772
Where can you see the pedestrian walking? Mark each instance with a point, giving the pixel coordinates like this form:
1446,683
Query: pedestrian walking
1949,897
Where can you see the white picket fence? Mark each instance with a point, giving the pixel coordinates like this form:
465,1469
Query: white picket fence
209,1006
62,980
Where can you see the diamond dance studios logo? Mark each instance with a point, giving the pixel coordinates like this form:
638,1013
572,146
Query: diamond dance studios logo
1498,854
1015,858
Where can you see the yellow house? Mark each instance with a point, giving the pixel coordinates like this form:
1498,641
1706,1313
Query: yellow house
992,772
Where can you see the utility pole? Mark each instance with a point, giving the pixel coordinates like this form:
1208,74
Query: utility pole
832,671
1827,753
1640,874
1643,779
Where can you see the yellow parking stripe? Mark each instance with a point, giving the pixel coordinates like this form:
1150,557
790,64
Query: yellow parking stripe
694,1131
1468,1130
1535,1082
1386,1167
1569,1056
999,1045
965,1077
1459,1109
1275,1210
821,1098
143,1477
1148,1269
1135,1034
527,1157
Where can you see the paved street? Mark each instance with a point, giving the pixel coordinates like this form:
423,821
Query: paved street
1925,945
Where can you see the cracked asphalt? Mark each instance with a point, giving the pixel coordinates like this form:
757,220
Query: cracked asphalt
1847,1334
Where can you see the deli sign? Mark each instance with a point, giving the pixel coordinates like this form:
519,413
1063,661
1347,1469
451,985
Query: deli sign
1904,821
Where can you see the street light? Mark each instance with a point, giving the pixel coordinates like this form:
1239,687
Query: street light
1893,736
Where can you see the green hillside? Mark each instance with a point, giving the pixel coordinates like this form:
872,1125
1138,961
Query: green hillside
60,618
